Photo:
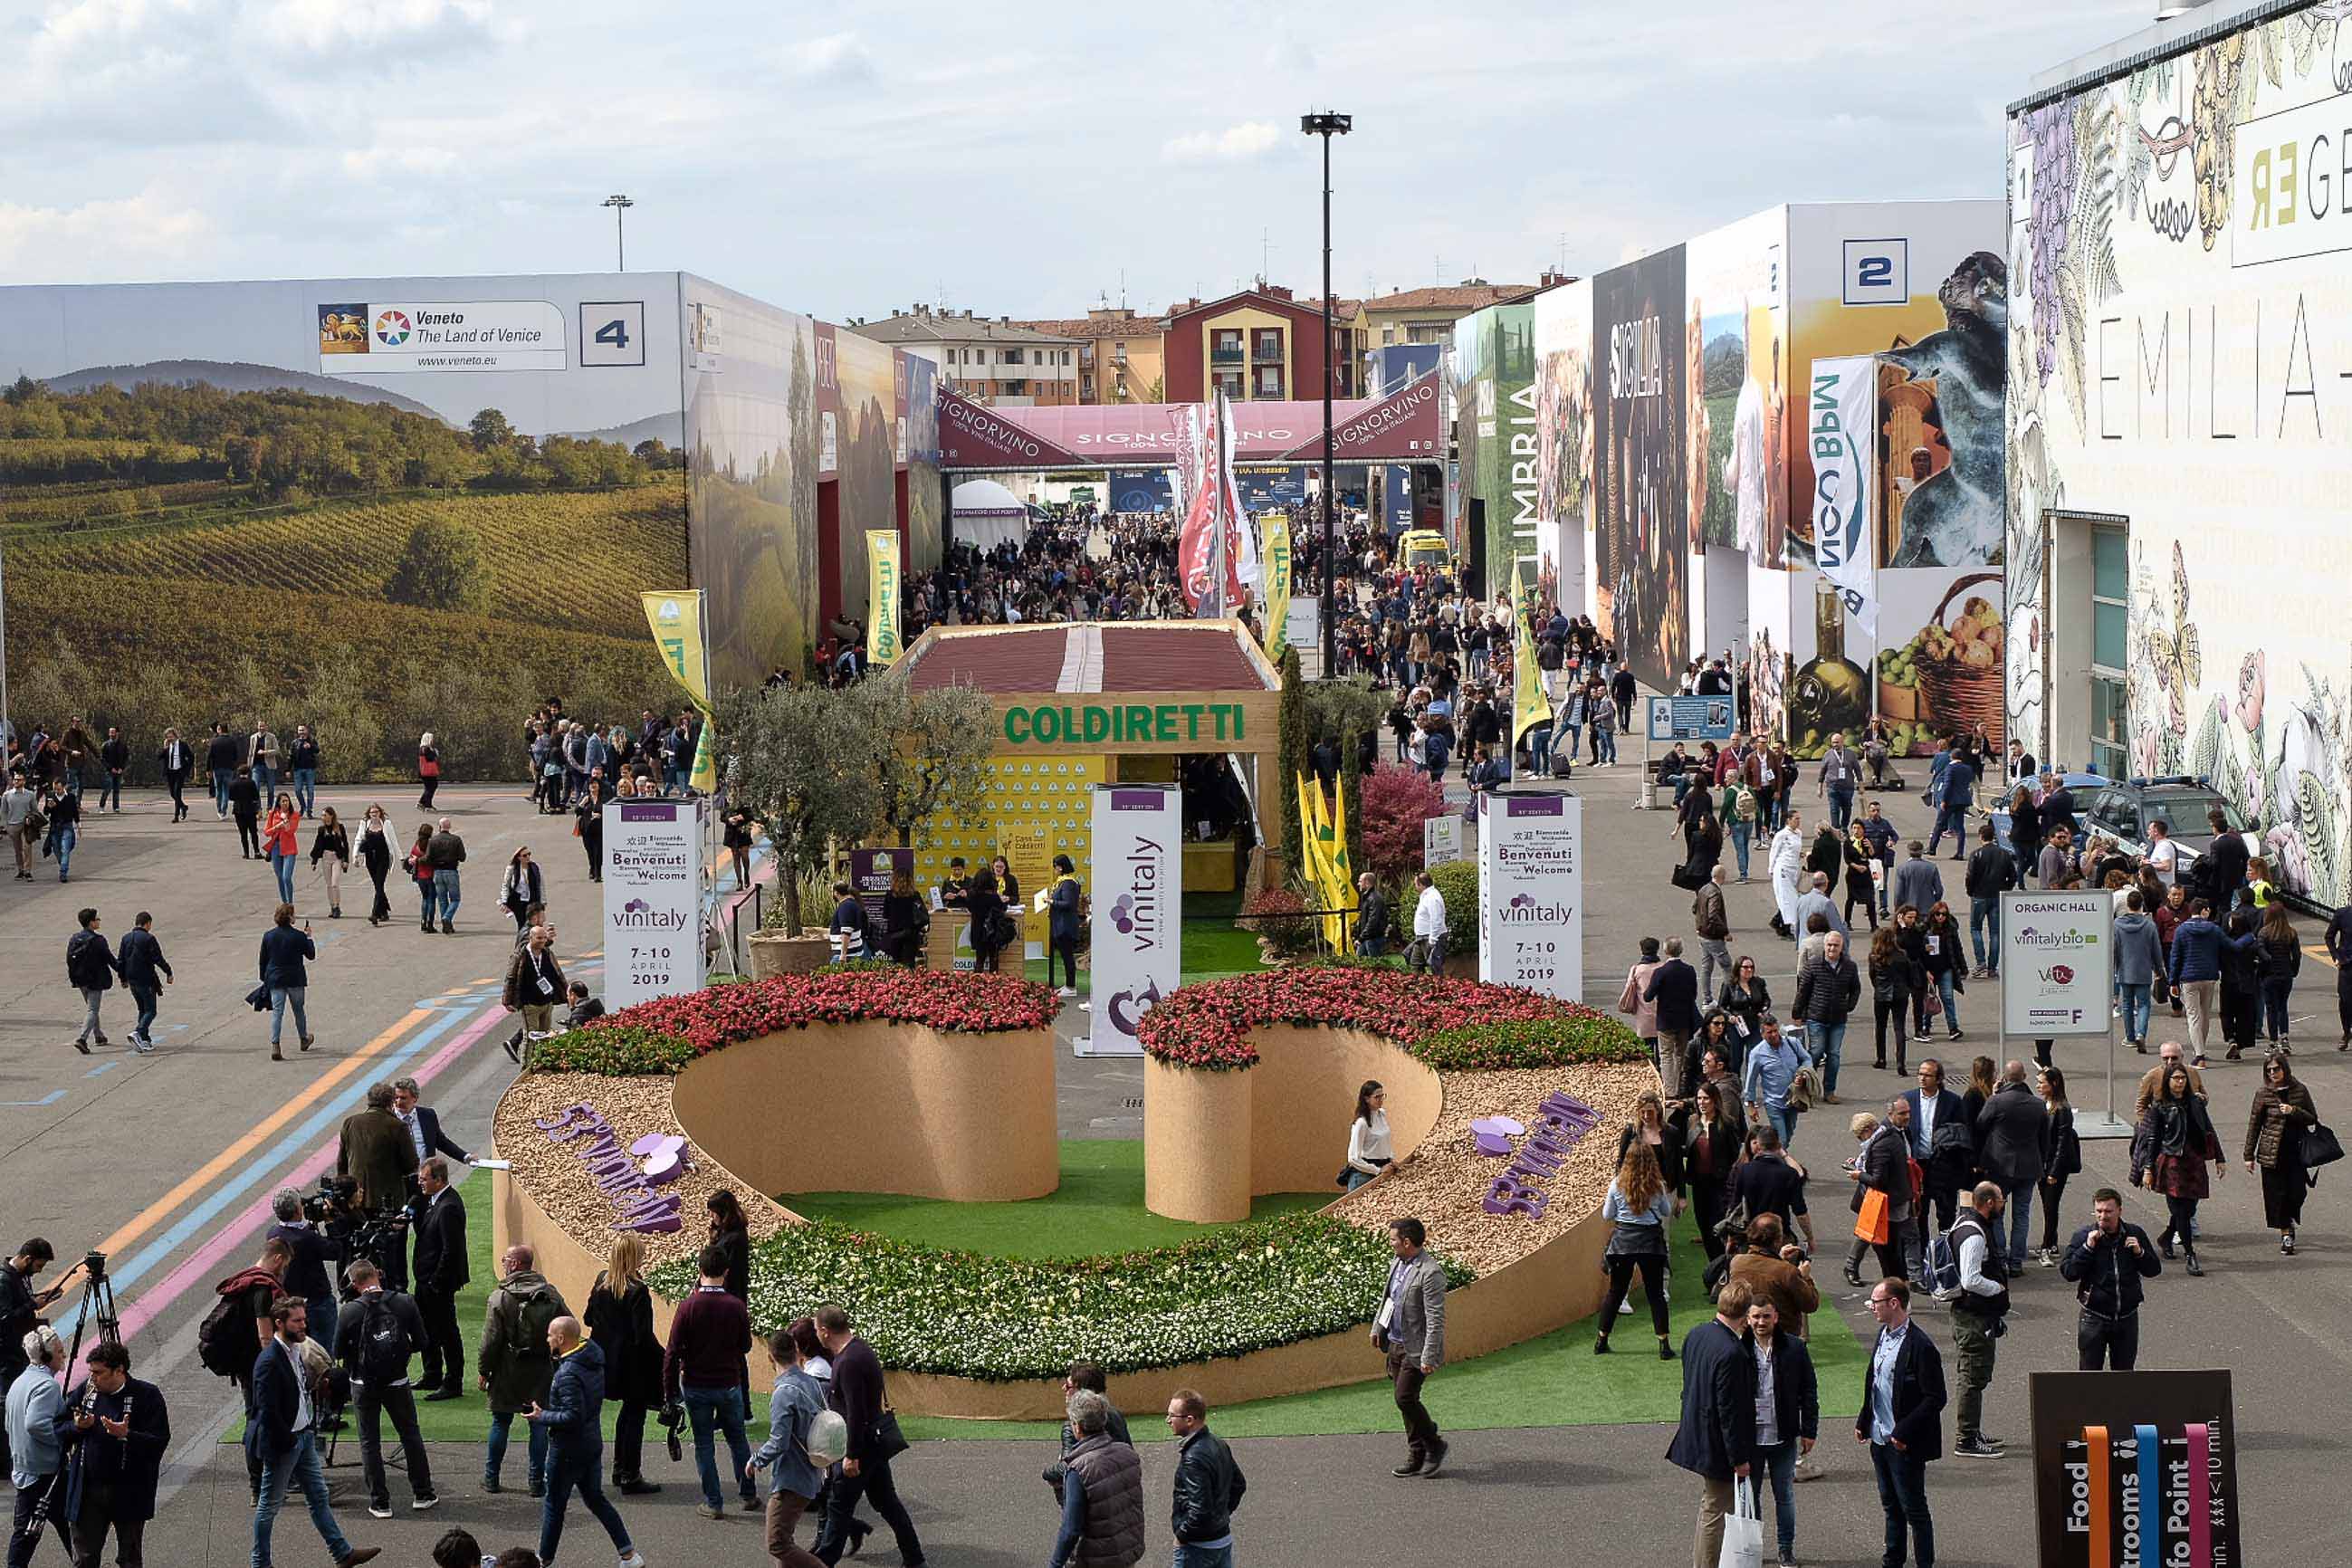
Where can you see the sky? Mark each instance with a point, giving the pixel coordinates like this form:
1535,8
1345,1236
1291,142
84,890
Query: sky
1029,159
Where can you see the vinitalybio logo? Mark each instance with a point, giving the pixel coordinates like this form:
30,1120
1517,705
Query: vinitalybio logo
2060,941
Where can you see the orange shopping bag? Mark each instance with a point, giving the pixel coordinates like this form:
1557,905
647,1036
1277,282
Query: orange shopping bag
1870,1226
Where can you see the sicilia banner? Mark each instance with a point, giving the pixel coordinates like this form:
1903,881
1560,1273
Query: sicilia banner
2135,1469
882,644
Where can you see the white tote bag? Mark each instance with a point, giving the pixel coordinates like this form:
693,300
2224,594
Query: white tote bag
1743,1530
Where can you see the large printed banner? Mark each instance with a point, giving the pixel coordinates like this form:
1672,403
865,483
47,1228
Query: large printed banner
1137,905
359,337
1277,582
653,900
1531,890
2135,1469
678,624
882,644
1840,426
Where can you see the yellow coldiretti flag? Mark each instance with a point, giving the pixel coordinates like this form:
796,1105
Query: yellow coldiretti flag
882,644
677,622
1326,878
1529,707
1277,582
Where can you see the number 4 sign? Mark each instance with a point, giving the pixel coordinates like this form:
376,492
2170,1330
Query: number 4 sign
612,333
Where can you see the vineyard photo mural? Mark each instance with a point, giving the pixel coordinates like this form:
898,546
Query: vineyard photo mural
329,504
2180,339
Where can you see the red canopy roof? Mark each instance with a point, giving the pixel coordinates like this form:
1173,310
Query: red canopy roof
1403,427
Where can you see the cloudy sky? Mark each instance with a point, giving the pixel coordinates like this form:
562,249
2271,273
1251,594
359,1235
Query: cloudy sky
847,159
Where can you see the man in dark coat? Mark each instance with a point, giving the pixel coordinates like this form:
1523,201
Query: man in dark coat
146,972
1718,1435
115,1429
441,1273
2013,1144
1902,1419
90,969
866,1471
377,1153
282,1417
1944,1143
573,1421
376,1331
1674,986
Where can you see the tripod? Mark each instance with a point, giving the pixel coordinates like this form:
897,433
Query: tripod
97,1306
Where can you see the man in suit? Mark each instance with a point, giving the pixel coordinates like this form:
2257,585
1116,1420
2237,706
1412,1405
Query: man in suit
115,1429
1717,1438
1902,1419
1944,1145
279,1414
441,1273
1674,986
1410,1330
424,1123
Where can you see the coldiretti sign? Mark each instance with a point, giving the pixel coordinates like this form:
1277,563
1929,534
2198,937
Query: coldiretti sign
1088,723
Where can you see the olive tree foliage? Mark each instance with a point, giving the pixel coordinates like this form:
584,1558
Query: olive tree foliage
809,769
939,766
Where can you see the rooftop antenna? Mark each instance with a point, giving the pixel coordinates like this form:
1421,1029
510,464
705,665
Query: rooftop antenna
1265,253
1437,270
1122,287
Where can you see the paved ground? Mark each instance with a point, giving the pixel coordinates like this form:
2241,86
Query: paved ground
164,1161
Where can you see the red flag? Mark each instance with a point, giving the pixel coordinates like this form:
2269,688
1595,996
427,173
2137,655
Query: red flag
1196,539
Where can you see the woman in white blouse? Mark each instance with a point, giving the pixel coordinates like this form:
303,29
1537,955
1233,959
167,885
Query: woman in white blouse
1368,1139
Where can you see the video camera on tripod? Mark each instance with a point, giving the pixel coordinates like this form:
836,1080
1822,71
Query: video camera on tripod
377,1235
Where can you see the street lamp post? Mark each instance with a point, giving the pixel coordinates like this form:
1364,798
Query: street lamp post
1327,125
620,206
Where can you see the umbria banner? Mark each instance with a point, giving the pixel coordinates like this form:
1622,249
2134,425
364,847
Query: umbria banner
882,644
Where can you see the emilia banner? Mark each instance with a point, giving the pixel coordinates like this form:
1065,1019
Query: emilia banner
1138,901
882,644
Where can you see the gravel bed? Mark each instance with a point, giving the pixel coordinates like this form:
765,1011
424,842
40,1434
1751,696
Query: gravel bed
1447,1180
551,1175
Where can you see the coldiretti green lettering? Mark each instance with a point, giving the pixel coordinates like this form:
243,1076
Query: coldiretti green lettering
1164,722
1096,726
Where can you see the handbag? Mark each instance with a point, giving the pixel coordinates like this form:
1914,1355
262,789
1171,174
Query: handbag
1933,1006
1743,1530
888,1441
2320,1146
1870,1223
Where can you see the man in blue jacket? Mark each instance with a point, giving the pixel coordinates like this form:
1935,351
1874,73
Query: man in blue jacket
1718,1435
115,1429
2195,971
142,961
1902,1419
1954,792
573,1421
280,1419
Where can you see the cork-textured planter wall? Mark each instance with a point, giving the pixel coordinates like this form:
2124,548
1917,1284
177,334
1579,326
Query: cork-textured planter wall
966,1118
1211,1141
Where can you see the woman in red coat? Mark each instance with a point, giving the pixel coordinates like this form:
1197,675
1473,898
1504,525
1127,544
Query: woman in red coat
2172,1151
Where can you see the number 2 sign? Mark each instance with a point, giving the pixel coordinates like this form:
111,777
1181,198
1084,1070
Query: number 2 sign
1877,272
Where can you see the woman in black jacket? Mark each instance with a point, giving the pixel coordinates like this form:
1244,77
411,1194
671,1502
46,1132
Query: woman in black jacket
620,1318
1710,1145
375,852
1893,977
524,887
986,907
731,1233
2065,1158
2240,982
904,921
1983,1076
2024,829
589,819
2280,960
1746,998
1861,887
332,847
1649,1126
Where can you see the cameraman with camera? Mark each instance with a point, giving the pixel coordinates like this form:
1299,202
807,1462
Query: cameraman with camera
20,1314
310,1273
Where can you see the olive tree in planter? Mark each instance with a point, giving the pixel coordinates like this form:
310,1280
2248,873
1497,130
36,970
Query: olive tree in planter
939,766
810,770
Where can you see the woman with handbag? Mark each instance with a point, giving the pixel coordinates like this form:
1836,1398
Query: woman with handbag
331,849
1710,1143
428,769
2275,1128
1746,998
1861,884
620,1318
524,887
281,841
1943,947
420,871
2174,1152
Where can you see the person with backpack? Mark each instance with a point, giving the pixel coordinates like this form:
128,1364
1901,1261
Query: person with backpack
91,968
805,1440
378,1330
515,1364
238,1328
1970,1271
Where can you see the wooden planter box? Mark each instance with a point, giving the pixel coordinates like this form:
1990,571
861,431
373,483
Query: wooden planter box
1196,1143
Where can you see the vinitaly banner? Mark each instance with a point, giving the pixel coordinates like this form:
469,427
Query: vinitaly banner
1138,903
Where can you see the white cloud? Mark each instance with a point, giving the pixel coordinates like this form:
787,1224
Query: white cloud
101,241
837,56
1239,143
392,30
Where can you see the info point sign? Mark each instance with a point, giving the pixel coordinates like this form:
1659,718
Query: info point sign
1531,890
653,900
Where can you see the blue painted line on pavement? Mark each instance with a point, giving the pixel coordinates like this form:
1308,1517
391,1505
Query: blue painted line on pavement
49,1098
101,1068
288,1147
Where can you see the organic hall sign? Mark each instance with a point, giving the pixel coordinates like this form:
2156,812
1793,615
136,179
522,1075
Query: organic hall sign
627,1175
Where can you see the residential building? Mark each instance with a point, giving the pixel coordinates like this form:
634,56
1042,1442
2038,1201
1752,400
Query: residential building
1119,355
994,359
1262,344
1427,315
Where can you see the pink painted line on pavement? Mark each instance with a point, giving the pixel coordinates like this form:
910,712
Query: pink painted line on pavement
238,1231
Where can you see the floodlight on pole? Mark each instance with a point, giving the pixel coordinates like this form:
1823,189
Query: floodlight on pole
1326,125
620,206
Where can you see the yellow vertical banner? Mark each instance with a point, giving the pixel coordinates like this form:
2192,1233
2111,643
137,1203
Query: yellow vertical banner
1530,706
677,622
882,644
1277,582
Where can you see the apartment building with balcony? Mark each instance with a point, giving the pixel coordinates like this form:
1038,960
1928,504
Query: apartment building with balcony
1427,315
1262,344
1121,357
990,359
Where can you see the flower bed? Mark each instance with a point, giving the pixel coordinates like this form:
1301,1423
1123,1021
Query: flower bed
1451,1025
996,1320
666,1034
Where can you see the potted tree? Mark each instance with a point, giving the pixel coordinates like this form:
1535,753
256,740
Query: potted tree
809,769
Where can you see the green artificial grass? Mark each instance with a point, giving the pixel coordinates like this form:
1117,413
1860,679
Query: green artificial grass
1554,1381
1099,1208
